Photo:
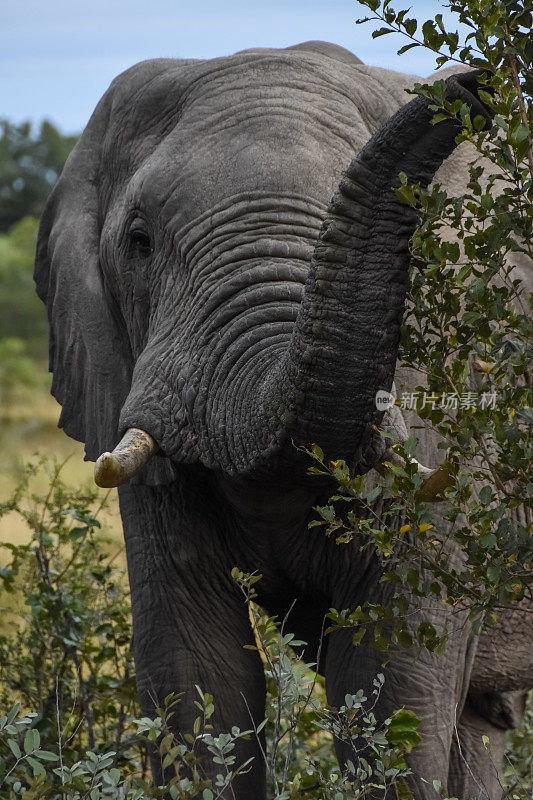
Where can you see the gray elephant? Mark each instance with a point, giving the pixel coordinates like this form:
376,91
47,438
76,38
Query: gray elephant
208,306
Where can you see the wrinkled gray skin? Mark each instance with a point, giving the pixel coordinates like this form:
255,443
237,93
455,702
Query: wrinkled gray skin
186,298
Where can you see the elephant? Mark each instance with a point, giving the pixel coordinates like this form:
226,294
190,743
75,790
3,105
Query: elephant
211,308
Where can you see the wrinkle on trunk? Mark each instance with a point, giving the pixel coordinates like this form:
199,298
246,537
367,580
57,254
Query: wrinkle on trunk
345,341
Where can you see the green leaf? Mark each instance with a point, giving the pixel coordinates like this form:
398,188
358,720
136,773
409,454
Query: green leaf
485,495
15,749
525,414
373,494
521,132
114,775
488,540
46,755
410,26
31,740
407,47
317,452
12,713
402,730
358,635
36,766
439,118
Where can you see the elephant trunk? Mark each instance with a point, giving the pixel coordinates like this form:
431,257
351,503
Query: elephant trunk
345,341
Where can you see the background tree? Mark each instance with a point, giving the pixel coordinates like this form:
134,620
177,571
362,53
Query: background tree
30,163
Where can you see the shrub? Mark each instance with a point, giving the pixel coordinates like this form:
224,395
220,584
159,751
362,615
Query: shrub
71,724
67,680
65,646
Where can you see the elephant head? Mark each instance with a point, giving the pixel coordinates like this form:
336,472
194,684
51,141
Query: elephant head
204,302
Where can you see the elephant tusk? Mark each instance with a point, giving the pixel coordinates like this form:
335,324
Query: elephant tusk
131,454
432,490
435,480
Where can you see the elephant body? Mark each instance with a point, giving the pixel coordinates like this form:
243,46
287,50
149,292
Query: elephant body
188,297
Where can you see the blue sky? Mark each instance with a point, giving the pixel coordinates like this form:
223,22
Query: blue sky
57,57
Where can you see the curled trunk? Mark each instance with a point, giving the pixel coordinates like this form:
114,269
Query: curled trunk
345,342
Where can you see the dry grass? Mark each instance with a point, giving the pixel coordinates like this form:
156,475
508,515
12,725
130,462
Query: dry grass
28,430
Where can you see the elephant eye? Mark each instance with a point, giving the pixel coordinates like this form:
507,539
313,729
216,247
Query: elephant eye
140,241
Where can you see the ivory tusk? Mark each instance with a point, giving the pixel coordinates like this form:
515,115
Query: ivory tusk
435,480
131,454
432,490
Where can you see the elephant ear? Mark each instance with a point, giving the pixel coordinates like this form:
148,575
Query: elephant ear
90,354
89,351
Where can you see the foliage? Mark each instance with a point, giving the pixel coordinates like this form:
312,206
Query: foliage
64,650
32,772
65,655
519,759
30,163
22,315
299,725
468,332
65,658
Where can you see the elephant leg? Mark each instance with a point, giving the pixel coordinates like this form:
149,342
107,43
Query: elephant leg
475,770
190,624
424,683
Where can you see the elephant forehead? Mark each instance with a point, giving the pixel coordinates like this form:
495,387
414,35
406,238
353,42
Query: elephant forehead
196,173
272,123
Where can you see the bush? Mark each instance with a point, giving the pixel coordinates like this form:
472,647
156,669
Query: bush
470,335
468,330
67,678
30,162
70,726
65,649
17,370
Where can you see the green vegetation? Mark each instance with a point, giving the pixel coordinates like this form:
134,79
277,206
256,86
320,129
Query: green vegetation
23,325
470,333
65,654
28,415
30,163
